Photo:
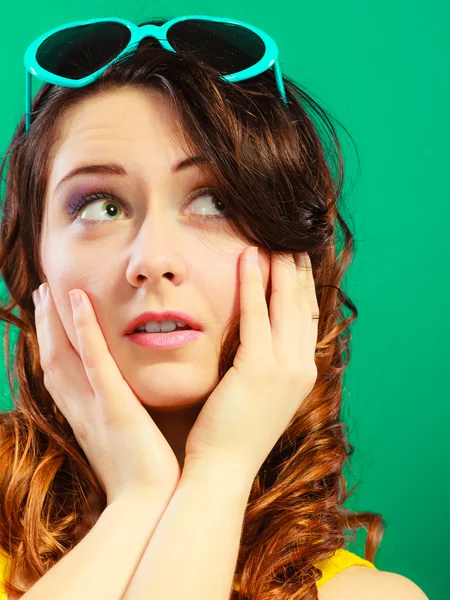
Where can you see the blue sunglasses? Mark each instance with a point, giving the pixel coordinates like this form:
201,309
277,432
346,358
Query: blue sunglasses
64,55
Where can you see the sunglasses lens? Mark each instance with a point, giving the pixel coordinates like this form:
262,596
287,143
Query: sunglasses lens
227,47
77,52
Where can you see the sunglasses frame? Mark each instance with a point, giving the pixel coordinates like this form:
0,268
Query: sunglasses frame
138,33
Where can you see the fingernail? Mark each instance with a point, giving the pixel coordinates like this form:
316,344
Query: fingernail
75,299
254,254
43,290
35,296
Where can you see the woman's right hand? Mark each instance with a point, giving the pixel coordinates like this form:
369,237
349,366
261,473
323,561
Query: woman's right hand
128,453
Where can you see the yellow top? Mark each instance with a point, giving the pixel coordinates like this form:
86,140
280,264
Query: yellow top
4,564
340,560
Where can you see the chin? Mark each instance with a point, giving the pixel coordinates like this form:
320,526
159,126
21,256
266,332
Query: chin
177,407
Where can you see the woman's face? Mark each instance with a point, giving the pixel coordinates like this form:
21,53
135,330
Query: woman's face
149,256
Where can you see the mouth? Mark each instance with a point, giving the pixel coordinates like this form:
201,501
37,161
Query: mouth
163,340
178,328
162,322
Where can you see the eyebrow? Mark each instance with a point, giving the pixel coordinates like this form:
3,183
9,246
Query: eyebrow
118,169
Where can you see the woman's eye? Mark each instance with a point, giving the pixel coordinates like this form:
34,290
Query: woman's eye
199,204
204,201
109,208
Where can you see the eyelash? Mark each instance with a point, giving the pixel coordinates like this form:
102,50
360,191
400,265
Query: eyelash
103,194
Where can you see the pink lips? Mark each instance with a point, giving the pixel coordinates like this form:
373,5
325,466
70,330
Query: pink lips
167,315
172,339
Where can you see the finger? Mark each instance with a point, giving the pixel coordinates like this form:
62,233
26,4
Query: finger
255,330
63,369
101,369
312,300
286,314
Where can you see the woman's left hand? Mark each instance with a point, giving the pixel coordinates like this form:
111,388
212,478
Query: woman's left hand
273,371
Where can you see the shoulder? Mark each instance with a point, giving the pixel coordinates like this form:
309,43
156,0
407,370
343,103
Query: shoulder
363,583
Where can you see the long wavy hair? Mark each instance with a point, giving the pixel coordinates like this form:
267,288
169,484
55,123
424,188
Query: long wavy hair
281,172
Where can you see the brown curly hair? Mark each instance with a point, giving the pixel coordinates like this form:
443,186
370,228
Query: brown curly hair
281,170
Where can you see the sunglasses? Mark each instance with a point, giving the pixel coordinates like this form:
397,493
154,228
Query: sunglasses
76,54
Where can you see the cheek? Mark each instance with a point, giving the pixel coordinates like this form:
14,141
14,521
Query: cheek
61,282
224,289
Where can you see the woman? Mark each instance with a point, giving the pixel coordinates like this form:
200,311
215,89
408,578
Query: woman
168,465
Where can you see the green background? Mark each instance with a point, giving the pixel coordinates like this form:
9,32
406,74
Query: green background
383,71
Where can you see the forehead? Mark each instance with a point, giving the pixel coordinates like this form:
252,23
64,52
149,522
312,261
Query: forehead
125,114
127,125
123,111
